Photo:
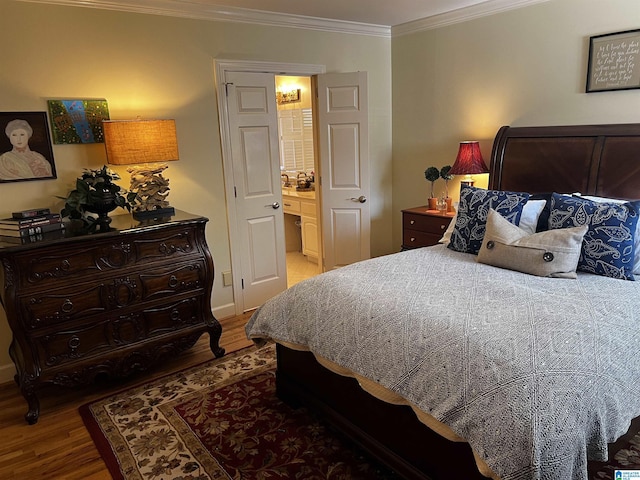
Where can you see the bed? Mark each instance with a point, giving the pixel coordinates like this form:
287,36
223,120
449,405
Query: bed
445,367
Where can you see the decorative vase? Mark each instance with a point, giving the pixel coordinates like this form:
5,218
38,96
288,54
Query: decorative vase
105,203
449,205
433,203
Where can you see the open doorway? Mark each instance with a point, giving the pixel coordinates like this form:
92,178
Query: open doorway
247,111
300,192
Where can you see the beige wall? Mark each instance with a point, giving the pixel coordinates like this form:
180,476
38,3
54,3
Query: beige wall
523,67
162,67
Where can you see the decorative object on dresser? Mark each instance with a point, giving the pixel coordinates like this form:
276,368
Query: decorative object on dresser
422,227
96,192
432,174
24,227
33,212
135,142
469,162
28,225
446,176
108,303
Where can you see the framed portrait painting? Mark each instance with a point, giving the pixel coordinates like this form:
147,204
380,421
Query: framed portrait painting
25,147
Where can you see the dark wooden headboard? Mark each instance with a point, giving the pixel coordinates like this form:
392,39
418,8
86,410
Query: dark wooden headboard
601,160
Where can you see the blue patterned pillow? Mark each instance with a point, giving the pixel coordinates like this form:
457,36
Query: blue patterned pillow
608,246
473,209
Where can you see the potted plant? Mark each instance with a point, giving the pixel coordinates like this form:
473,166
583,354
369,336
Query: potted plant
446,176
96,192
432,174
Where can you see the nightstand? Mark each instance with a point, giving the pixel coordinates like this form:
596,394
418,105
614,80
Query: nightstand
422,227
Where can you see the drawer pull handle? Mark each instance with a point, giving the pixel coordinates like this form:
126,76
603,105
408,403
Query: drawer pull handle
413,239
412,222
173,281
67,306
74,343
441,227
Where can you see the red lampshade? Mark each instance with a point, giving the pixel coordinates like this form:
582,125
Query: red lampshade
469,160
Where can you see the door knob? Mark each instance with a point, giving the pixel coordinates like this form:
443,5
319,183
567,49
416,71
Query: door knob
274,205
360,199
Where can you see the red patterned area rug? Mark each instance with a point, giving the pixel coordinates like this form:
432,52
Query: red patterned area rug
219,420
222,420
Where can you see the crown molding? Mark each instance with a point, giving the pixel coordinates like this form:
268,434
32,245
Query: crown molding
491,7
199,11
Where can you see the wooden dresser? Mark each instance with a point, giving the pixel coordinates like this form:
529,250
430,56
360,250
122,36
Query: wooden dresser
107,303
422,227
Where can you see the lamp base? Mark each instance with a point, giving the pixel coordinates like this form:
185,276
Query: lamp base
157,213
467,181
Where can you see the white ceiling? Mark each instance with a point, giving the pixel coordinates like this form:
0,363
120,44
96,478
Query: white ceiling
375,17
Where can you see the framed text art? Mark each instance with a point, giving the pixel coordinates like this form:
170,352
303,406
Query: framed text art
614,62
25,147
78,121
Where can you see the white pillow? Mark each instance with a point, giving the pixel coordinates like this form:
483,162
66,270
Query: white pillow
530,214
528,219
600,199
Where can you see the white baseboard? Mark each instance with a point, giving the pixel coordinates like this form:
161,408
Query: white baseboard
228,310
7,373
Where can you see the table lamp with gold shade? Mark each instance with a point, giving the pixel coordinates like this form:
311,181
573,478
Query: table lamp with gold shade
146,145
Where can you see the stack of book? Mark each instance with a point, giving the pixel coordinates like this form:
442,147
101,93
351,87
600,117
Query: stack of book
30,225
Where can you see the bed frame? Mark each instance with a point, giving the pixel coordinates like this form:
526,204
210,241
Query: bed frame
602,160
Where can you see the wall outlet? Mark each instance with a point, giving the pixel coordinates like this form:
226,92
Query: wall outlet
227,279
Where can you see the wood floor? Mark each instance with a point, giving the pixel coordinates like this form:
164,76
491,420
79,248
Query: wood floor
58,446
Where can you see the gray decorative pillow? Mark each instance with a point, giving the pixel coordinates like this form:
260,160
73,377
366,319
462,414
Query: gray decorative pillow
553,253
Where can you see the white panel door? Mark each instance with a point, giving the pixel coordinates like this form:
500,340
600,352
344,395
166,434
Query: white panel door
253,131
343,146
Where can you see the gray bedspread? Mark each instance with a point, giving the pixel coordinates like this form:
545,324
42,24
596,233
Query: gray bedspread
538,374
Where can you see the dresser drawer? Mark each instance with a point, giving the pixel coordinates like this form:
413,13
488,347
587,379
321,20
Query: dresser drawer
416,239
92,338
172,244
163,282
424,223
42,268
79,301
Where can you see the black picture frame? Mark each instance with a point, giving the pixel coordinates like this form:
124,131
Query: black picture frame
35,162
614,62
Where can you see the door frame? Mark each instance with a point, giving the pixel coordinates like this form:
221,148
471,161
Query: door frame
221,67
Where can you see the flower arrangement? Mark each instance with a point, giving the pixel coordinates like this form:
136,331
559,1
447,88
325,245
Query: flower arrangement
96,192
